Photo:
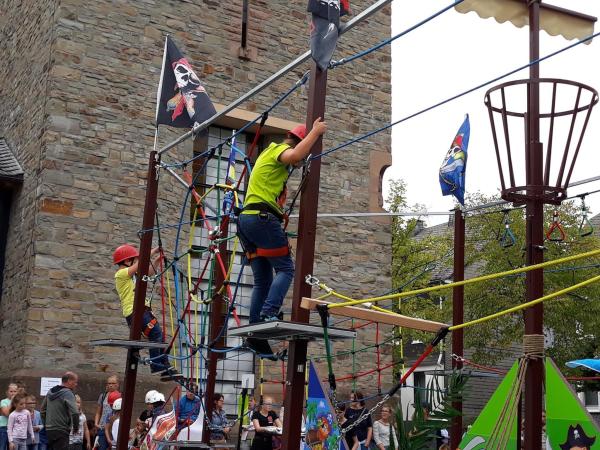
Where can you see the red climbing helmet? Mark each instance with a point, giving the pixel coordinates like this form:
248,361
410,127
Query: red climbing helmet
124,252
298,131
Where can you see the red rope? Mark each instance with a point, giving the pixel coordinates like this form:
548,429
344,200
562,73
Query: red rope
162,295
362,325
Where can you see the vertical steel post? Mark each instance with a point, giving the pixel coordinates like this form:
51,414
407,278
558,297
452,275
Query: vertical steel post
217,309
534,280
458,315
139,301
305,255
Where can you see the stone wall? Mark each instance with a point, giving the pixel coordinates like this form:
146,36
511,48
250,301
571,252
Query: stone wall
84,132
26,36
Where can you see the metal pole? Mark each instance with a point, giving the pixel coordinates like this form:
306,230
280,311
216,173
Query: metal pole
534,280
242,417
244,23
291,66
139,301
458,316
305,255
217,311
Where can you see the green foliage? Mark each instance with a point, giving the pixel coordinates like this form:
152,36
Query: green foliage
571,322
425,427
415,262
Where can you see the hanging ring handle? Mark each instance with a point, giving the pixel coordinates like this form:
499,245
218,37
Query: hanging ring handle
585,226
508,238
556,227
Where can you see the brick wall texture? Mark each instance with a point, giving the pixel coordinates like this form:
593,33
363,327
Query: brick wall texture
78,99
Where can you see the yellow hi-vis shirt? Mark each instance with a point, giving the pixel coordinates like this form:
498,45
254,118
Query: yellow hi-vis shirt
267,178
125,286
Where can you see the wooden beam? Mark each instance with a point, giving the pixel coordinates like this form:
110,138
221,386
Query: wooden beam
376,316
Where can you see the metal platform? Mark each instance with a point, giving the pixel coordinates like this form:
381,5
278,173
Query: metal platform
280,330
125,343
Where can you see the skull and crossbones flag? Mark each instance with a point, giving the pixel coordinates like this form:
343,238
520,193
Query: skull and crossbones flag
324,28
452,171
181,99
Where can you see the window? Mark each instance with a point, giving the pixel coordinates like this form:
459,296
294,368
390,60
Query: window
590,399
235,363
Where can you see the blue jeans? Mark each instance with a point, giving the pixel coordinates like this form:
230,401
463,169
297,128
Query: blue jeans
153,334
3,438
265,231
102,444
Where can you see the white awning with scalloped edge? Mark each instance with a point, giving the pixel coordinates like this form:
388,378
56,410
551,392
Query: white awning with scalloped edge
554,20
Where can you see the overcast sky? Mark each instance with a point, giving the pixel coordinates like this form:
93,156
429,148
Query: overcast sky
456,52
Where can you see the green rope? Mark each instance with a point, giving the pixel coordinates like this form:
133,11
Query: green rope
353,352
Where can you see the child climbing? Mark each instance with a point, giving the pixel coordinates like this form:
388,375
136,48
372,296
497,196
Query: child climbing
260,226
126,257
260,229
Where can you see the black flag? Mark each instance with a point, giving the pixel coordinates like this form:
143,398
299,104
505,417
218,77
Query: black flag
324,28
181,100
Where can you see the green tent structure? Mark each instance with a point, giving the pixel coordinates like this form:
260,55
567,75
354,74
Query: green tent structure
568,424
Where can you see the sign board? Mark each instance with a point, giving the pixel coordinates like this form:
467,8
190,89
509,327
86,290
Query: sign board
47,383
248,380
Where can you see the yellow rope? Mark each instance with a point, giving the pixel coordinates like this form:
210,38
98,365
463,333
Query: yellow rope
352,302
525,305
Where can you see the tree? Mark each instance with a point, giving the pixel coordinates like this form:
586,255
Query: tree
571,322
416,263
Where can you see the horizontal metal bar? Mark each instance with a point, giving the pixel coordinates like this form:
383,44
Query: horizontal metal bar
382,214
292,65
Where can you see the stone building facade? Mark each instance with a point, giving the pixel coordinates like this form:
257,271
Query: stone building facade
78,101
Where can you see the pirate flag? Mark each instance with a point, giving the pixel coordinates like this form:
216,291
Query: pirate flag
324,28
452,172
181,100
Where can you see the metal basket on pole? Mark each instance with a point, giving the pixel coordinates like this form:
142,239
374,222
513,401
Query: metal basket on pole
565,108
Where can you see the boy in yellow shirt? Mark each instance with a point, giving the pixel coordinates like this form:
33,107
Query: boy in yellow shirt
126,257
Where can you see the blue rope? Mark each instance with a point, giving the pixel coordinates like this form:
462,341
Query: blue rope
334,64
462,94
301,82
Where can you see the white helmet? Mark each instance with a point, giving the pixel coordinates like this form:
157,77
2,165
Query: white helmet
117,405
154,396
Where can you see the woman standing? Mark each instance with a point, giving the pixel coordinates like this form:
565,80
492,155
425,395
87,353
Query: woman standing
261,419
384,431
219,423
364,429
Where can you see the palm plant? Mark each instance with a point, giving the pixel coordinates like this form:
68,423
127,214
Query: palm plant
425,427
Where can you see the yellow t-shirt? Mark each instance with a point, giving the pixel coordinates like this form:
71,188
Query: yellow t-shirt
125,286
268,178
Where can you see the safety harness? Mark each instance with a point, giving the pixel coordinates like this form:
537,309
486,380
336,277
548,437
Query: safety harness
263,210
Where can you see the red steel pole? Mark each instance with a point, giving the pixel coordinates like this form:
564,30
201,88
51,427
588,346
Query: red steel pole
305,256
139,301
458,316
534,280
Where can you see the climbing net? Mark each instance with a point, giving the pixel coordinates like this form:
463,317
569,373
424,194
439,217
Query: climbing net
207,269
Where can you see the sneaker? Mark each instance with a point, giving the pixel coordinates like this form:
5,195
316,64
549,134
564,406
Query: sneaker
171,371
269,318
282,354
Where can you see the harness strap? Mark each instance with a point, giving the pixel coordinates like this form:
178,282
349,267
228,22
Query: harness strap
149,326
269,252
